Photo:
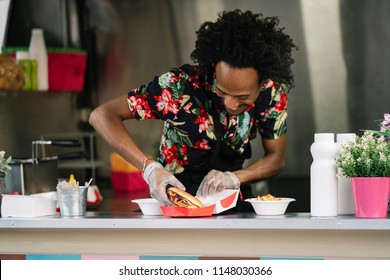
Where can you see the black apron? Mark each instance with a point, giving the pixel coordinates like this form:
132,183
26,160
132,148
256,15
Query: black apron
222,158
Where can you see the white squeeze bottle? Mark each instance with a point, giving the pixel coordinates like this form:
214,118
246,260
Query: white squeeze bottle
345,196
38,52
323,179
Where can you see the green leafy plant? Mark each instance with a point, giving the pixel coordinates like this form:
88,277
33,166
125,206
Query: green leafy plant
367,156
4,164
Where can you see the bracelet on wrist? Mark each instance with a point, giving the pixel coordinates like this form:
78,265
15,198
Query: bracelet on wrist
144,164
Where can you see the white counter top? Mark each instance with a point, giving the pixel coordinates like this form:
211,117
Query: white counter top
239,235
290,221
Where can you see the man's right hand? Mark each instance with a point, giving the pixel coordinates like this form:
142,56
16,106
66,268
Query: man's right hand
158,179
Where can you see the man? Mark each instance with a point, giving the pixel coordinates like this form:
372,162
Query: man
212,110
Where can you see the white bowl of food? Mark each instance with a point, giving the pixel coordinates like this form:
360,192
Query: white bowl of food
149,206
269,205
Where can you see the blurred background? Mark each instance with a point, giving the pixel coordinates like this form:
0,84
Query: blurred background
341,71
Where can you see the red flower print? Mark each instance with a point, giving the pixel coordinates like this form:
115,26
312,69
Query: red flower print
183,150
165,102
169,153
174,78
138,103
188,107
203,120
196,85
194,81
181,158
202,145
281,105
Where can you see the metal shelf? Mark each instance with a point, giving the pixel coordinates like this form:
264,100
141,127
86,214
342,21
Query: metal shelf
26,93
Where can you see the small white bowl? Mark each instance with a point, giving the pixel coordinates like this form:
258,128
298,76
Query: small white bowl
149,206
270,207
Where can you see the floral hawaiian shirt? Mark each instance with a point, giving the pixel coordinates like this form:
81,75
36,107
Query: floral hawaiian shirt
185,100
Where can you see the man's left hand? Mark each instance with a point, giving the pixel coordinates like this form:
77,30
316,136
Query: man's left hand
216,181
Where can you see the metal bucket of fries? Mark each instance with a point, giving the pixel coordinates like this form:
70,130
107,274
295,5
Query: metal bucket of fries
72,198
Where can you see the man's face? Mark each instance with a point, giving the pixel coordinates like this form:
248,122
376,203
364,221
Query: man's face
237,87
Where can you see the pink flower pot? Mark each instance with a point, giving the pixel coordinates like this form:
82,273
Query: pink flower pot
371,196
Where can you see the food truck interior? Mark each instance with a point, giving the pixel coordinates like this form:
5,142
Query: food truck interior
341,73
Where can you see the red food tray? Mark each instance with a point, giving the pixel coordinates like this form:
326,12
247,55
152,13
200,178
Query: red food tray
179,211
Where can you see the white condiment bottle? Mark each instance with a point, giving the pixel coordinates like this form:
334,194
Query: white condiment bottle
38,52
323,176
345,197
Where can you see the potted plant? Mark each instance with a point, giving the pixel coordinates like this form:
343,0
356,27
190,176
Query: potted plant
4,169
4,164
367,161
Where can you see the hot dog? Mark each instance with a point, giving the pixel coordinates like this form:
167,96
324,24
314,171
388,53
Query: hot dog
181,198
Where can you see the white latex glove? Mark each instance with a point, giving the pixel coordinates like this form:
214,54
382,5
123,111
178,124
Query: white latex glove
216,181
158,179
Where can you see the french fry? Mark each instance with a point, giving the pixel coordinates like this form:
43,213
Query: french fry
71,184
268,197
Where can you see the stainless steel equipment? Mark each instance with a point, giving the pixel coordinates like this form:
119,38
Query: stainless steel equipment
36,174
